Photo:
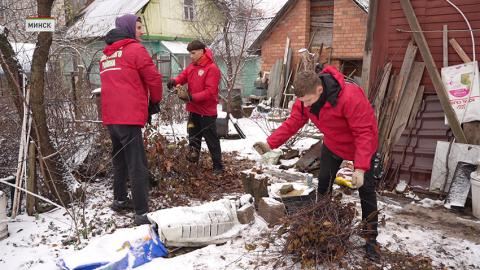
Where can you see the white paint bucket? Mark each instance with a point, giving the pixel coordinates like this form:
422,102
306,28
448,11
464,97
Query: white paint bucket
3,216
475,180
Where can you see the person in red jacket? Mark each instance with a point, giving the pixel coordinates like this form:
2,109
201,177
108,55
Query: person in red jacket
130,81
341,111
203,78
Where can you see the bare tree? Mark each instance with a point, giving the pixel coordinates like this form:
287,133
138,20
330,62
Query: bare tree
232,26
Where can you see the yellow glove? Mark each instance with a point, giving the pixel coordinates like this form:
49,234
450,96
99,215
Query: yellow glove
262,147
343,182
357,178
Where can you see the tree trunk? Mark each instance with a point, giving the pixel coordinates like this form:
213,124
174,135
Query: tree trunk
12,70
53,167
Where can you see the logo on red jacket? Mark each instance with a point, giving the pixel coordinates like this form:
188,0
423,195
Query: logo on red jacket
201,72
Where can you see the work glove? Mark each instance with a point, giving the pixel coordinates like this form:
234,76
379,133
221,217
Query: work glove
171,83
262,147
183,94
153,108
357,178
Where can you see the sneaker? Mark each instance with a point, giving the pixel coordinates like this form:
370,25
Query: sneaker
372,251
122,206
141,219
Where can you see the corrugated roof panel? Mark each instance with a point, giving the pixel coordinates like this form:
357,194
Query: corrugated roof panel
99,17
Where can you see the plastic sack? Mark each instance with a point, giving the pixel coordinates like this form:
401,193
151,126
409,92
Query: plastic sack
462,84
123,249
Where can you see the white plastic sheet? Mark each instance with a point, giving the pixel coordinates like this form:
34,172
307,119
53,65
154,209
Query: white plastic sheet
211,223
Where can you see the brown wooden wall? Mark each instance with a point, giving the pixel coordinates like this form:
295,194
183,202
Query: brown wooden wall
414,153
390,44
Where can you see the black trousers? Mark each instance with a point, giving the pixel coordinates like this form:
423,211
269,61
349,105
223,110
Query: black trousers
329,165
199,126
129,160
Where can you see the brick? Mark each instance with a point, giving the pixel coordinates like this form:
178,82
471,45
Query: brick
271,210
246,213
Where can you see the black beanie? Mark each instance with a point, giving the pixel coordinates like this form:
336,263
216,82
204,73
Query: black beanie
195,45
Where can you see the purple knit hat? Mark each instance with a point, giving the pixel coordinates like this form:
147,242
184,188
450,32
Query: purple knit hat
126,24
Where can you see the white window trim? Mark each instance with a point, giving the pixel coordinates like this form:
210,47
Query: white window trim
191,11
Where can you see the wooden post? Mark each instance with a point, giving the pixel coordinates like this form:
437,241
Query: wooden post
445,45
31,180
367,53
433,72
460,51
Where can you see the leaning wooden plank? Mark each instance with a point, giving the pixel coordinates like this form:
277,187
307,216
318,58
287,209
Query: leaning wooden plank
392,112
407,64
416,106
388,106
445,45
433,71
382,88
406,103
460,51
400,85
368,48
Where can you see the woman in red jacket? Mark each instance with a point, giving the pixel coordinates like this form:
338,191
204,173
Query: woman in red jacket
129,81
341,111
203,77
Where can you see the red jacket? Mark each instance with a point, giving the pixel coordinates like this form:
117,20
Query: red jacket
350,128
128,78
203,80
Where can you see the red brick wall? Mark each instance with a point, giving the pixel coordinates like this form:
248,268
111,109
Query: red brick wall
349,29
294,24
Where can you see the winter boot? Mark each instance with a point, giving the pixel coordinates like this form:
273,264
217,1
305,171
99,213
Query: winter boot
372,250
141,219
122,206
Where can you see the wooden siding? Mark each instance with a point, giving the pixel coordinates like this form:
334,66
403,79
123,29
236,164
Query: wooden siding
413,154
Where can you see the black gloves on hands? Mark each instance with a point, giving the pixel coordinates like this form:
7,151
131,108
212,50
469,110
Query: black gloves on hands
171,83
153,108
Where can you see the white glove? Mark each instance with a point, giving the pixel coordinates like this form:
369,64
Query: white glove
262,147
357,178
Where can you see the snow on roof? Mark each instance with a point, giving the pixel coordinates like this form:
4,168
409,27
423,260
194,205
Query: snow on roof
24,54
176,47
363,4
271,7
99,17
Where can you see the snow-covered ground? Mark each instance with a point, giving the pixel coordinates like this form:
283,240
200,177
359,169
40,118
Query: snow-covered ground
411,225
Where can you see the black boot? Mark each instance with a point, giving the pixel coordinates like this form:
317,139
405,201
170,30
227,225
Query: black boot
372,250
141,219
122,206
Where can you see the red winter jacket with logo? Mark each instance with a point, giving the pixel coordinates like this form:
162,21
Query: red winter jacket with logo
128,78
350,128
203,79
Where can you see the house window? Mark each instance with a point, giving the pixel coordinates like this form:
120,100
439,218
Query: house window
188,10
